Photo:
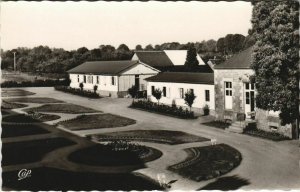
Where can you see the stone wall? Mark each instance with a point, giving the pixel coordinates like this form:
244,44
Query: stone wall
271,123
236,77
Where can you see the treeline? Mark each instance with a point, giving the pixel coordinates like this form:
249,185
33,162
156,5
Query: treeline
43,59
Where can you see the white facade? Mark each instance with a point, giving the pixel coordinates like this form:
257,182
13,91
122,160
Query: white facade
205,94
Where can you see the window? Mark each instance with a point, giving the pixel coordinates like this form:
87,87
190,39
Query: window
247,98
164,91
84,78
97,79
90,79
113,81
181,93
207,97
152,89
78,78
228,88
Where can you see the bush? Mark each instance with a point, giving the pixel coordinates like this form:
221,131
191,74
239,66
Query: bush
79,92
36,83
206,110
164,109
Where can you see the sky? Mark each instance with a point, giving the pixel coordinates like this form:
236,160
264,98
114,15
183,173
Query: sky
71,25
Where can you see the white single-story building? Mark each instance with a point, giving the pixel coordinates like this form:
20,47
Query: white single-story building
113,78
174,85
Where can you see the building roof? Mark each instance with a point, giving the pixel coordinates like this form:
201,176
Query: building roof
178,57
103,67
183,77
154,58
241,60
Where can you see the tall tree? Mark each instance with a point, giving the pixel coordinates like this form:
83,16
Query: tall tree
149,47
138,48
191,58
276,58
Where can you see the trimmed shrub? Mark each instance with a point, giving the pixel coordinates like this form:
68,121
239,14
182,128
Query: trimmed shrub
36,83
206,110
79,92
164,109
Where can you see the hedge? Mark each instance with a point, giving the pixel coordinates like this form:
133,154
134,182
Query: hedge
77,91
36,83
164,109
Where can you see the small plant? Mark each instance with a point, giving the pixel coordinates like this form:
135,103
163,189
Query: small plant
95,88
133,91
81,86
157,94
189,98
206,110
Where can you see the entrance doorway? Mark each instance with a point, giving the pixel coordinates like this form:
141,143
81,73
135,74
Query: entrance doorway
137,81
249,98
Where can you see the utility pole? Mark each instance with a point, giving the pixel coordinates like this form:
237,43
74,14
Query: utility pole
15,62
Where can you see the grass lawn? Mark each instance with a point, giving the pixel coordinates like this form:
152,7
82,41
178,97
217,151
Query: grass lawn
10,130
208,162
30,151
156,136
22,118
217,124
265,135
15,92
97,121
46,179
34,100
62,108
105,155
9,105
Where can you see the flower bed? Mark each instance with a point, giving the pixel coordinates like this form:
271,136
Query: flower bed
163,109
208,162
266,135
76,91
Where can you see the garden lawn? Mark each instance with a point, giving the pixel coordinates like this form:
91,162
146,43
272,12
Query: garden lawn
208,162
30,151
96,121
15,92
103,155
8,105
34,100
62,108
22,118
156,136
14,130
46,179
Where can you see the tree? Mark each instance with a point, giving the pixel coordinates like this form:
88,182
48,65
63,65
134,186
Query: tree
276,59
191,58
157,94
138,48
123,47
81,86
189,98
133,91
95,88
149,47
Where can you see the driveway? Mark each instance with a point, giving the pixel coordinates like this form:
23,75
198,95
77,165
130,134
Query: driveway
265,165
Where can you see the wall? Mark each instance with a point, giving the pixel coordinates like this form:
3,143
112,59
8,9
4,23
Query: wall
236,77
172,90
104,86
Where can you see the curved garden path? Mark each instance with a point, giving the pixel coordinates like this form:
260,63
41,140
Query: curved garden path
265,165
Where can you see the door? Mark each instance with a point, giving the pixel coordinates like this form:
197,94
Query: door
228,95
137,81
249,98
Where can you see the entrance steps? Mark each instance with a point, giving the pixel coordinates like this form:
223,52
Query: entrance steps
239,126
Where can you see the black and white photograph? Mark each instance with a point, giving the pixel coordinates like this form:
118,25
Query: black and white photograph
150,95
